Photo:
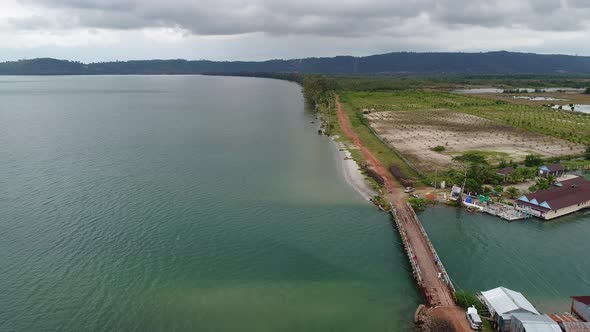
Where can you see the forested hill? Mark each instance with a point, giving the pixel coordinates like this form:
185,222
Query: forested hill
403,62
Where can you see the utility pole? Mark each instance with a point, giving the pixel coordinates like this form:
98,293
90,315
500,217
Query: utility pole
329,130
464,180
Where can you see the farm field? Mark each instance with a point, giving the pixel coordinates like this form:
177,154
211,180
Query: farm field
572,126
416,121
416,133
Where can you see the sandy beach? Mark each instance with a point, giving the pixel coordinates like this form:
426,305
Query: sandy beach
351,171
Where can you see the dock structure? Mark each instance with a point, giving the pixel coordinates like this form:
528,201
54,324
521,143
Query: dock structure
431,277
505,212
427,268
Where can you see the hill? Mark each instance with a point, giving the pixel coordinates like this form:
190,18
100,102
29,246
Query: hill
390,63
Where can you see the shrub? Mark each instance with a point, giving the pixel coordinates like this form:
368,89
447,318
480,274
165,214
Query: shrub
438,148
513,192
418,204
467,299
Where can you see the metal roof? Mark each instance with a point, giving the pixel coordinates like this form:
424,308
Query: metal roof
563,317
576,326
571,192
505,301
555,167
536,323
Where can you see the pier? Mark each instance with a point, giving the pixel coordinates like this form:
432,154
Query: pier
428,270
431,277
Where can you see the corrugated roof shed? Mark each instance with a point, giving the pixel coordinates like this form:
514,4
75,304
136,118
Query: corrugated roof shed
505,301
570,323
564,317
575,326
535,323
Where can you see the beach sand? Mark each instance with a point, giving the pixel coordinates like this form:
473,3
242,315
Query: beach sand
352,172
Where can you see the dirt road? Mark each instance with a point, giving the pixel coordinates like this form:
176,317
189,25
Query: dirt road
436,292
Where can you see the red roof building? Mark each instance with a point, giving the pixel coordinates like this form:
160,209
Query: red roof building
555,169
567,197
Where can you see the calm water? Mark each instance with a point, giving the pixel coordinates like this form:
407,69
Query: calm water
547,261
156,203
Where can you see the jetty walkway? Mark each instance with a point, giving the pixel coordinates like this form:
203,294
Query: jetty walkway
427,268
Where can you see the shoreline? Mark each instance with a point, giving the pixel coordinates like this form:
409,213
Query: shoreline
351,170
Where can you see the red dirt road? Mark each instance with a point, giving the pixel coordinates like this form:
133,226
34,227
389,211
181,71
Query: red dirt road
436,293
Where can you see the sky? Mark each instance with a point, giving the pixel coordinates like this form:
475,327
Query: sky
108,30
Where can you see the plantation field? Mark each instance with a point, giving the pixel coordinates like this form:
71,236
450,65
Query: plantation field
414,122
415,134
573,127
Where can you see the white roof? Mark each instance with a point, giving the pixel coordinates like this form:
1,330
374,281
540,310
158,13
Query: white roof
536,323
505,301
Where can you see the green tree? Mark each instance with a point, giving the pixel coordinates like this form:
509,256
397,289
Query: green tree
473,185
499,189
587,153
513,192
532,160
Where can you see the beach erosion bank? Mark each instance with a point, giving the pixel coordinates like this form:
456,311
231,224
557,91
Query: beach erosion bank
351,171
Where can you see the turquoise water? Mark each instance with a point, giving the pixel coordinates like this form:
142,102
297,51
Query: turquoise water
177,203
548,261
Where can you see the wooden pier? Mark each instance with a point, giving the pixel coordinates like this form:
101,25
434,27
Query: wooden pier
427,268
428,271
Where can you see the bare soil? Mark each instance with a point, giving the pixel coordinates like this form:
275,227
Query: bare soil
415,133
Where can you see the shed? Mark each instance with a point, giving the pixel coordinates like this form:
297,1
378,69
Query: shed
575,326
503,303
527,322
581,307
570,323
555,169
504,172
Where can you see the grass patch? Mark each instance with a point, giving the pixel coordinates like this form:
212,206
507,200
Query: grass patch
381,151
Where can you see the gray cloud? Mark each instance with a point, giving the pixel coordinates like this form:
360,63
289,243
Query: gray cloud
344,18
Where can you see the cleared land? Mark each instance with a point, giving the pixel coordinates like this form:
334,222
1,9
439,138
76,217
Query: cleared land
415,133
571,126
414,122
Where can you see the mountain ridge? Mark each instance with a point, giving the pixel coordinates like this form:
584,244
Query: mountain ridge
496,62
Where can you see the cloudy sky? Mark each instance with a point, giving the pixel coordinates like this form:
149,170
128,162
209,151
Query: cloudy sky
101,30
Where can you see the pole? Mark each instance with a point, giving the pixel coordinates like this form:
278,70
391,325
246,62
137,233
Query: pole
464,181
